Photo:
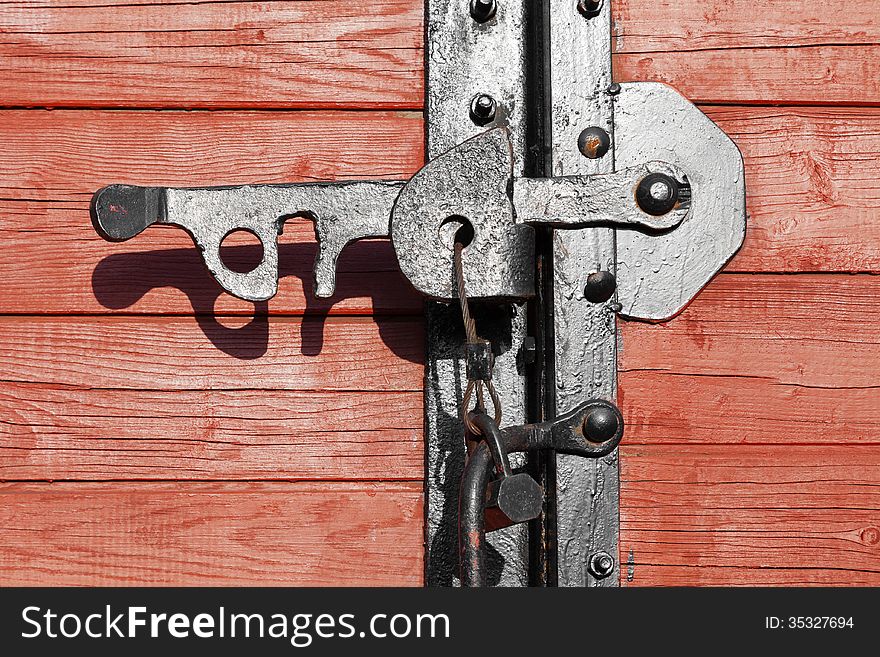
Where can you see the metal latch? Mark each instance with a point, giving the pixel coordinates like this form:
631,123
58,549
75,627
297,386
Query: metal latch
472,184
649,189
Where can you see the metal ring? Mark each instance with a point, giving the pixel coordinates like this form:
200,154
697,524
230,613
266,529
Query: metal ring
466,400
496,402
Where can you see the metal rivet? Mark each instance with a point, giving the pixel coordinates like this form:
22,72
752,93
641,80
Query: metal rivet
590,8
657,194
614,89
594,142
601,565
601,424
600,286
483,109
483,10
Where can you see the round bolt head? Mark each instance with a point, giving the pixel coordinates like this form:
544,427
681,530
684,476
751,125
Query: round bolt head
614,89
483,10
600,286
657,194
589,8
594,142
601,424
483,109
601,565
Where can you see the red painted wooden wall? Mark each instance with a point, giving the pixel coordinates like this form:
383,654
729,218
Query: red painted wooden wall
156,431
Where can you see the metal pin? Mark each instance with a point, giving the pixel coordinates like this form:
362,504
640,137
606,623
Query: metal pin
483,10
600,286
657,194
483,109
589,8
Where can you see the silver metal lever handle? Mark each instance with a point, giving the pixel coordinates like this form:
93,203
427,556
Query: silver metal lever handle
653,196
342,212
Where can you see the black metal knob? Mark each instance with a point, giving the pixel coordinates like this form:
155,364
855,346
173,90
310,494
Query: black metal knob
657,194
483,109
483,10
601,424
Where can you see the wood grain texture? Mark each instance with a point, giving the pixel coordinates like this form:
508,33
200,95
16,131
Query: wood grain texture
752,453
701,515
231,534
667,25
54,160
334,54
803,330
65,155
81,434
811,187
812,176
791,52
210,54
187,398
820,75
179,353
758,359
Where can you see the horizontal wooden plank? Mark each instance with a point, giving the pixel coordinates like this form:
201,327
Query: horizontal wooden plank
750,515
55,160
787,51
821,75
208,54
52,433
811,186
668,407
812,193
65,155
807,330
187,398
199,353
758,359
642,26
178,534
332,54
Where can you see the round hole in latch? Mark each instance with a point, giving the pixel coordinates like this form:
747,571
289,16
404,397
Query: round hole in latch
241,250
456,229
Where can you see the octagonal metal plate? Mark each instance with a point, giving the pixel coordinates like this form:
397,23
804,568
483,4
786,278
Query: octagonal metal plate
659,274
